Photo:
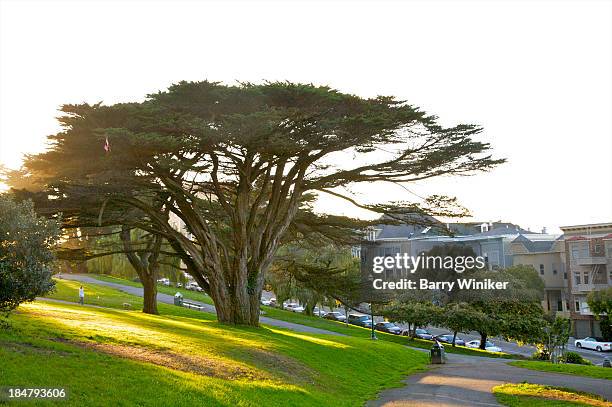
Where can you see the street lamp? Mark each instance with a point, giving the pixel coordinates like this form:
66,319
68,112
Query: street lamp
373,335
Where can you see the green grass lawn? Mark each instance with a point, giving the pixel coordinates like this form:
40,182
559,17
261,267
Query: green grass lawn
187,294
536,395
298,318
68,290
597,372
109,356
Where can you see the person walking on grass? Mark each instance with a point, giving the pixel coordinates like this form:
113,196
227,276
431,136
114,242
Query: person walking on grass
81,295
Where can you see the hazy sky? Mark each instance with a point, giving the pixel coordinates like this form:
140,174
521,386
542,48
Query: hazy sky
536,75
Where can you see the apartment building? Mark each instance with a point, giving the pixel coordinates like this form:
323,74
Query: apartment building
491,240
546,254
571,265
588,256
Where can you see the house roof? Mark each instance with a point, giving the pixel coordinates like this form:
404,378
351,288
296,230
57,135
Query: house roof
576,238
535,246
416,225
427,226
503,231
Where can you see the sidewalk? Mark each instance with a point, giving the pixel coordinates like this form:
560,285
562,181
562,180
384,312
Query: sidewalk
468,380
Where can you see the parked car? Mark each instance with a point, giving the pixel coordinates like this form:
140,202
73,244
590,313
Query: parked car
388,327
193,287
423,334
597,344
335,316
164,281
294,307
490,346
360,320
179,285
448,338
271,302
318,312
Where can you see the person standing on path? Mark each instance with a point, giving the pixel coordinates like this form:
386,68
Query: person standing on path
81,295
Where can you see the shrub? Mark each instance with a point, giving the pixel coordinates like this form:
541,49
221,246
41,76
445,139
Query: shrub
26,242
575,358
541,355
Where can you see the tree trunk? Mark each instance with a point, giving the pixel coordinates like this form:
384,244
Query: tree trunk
146,267
346,314
454,337
149,285
309,309
238,306
483,340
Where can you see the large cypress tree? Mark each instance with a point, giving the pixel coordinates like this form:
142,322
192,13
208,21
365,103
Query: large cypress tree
238,165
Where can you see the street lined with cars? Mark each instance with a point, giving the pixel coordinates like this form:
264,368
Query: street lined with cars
589,348
528,350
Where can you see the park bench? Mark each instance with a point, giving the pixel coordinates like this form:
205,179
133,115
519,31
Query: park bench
192,305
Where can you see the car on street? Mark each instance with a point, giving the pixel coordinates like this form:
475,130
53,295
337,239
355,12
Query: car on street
448,338
268,301
360,320
318,312
489,346
593,343
193,286
421,334
294,307
388,327
164,281
335,316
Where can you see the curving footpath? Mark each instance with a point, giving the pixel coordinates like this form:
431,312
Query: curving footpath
468,380
169,299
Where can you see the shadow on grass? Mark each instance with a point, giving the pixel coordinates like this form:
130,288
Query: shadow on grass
292,359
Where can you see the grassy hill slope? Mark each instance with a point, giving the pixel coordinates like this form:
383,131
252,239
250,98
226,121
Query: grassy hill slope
109,356
316,322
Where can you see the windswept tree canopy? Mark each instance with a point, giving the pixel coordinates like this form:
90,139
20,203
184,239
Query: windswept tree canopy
238,167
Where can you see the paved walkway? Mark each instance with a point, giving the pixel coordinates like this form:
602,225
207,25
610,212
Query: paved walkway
468,380
169,299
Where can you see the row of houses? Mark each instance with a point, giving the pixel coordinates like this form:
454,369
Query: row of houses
571,265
